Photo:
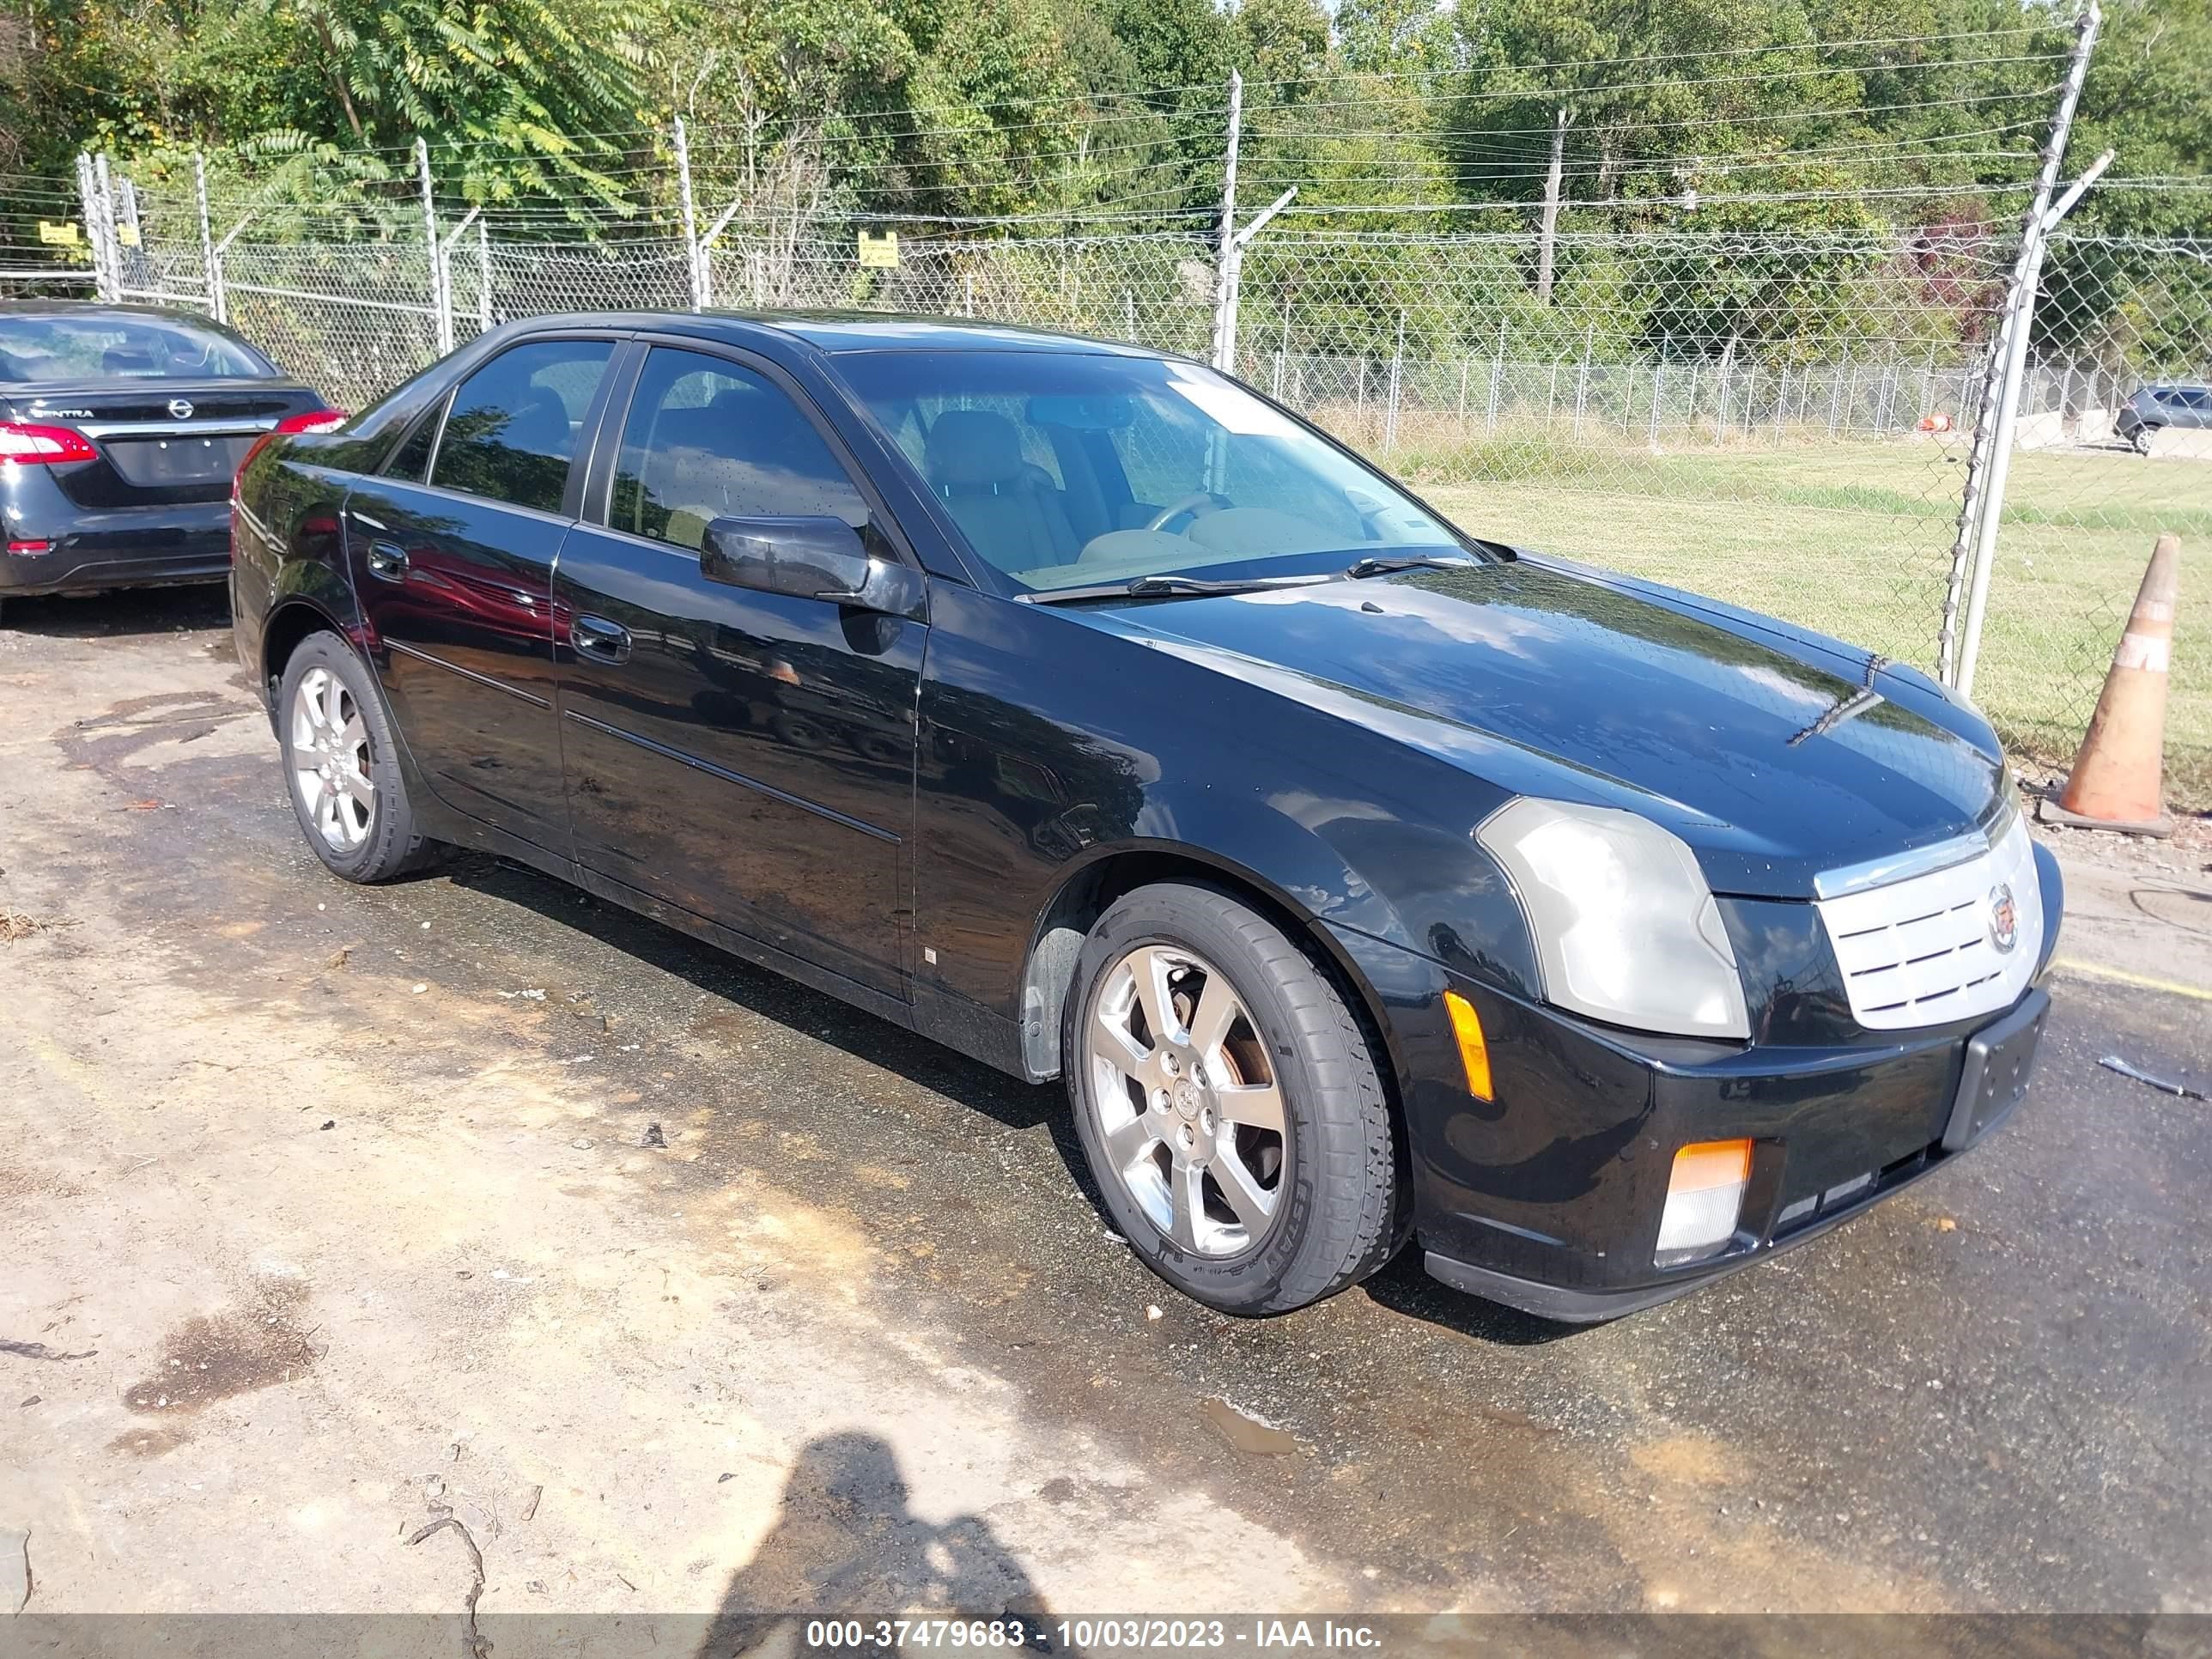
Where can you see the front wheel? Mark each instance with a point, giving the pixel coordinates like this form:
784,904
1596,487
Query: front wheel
340,765
1227,1103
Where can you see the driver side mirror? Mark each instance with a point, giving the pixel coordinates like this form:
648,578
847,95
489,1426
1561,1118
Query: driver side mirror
810,558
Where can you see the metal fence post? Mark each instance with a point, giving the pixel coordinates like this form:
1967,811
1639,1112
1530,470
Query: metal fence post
446,246
1582,377
100,224
1988,459
207,231
1397,382
442,305
91,220
1225,272
484,277
691,255
1496,374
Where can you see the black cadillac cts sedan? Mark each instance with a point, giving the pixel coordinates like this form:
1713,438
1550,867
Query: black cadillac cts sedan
1079,708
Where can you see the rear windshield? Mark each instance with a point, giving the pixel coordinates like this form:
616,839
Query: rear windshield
95,347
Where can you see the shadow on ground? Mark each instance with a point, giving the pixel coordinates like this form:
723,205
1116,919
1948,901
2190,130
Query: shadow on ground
128,611
1402,1286
845,1545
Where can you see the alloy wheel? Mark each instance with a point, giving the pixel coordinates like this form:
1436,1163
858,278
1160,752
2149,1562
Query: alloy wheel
330,760
1190,1111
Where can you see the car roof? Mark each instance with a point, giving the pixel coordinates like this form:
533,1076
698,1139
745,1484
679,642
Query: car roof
843,330
98,311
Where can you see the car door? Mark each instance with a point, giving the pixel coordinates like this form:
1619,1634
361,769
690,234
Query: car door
451,552
746,756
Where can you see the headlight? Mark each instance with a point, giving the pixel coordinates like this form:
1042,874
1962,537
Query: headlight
1627,929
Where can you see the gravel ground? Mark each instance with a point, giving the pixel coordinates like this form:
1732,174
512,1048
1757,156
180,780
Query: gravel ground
336,1212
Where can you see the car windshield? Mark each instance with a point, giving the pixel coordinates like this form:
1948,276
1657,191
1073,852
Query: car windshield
96,347
1069,469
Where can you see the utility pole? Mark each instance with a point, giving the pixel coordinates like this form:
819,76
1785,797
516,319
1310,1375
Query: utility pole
1544,246
442,310
1989,460
691,250
1224,286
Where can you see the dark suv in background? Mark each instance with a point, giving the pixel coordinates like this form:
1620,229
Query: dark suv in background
2156,406
121,428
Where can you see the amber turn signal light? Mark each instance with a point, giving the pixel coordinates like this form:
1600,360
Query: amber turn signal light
1704,1196
1474,1047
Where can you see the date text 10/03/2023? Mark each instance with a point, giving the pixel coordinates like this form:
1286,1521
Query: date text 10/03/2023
1125,1635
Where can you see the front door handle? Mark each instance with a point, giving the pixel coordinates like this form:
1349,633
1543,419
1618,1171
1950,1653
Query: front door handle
387,560
600,639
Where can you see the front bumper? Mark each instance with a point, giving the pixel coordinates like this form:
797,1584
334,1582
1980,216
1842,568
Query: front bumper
137,547
1549,1197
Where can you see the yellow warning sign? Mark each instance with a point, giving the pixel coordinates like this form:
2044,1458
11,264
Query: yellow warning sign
879,253
63,235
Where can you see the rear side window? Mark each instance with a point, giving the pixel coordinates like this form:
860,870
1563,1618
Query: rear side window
515,423
706,439
412,463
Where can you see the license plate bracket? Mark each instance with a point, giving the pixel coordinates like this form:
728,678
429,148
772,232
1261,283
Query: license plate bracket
1999,1058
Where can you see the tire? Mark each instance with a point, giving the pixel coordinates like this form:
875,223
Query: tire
2140,438
357,840
1330,1217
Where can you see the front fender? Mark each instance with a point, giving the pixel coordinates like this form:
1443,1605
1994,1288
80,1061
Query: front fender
1028,782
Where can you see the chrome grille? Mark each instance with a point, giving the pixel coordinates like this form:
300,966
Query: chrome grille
1922,950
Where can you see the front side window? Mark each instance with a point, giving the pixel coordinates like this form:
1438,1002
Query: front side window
513,426
706,439
1064,469
94,346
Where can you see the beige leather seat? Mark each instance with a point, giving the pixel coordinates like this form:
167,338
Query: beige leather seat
1007,508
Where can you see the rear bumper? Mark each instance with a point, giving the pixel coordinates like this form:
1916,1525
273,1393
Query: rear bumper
139,547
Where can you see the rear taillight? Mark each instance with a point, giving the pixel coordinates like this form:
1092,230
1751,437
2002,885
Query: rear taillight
43,445
314,420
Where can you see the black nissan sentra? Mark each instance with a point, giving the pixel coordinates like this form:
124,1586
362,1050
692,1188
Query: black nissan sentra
120,429
1074,706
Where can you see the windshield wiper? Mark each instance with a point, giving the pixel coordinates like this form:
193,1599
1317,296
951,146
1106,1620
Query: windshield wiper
1372,565
1161,587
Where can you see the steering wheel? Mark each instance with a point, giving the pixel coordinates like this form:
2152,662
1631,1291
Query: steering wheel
1199,501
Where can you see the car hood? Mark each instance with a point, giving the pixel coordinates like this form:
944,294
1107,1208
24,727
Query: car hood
1774,753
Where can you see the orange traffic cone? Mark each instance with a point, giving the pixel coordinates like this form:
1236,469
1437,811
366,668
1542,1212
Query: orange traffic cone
2116,777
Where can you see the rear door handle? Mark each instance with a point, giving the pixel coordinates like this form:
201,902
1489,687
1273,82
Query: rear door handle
600,639
387,560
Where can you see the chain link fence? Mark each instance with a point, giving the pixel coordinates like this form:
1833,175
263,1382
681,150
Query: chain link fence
1780,420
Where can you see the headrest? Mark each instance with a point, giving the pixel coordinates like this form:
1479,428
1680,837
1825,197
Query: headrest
970,447
540,422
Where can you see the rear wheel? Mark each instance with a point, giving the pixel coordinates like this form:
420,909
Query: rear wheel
1228,1104
2140,438
340,767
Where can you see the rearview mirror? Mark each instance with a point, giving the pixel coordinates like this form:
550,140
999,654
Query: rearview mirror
809,558
1083,414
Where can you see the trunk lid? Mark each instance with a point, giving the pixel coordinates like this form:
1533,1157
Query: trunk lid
161,442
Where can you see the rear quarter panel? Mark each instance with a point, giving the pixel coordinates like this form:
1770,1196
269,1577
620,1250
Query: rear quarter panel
288,550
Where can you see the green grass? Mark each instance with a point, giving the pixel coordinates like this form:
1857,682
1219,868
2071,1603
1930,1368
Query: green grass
1856,540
